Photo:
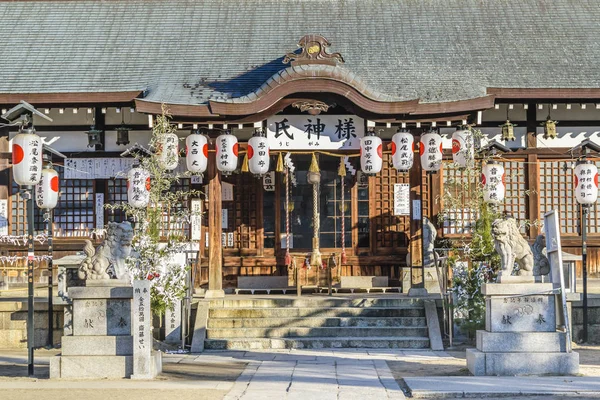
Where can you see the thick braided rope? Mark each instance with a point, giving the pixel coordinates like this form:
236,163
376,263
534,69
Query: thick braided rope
343,222
287,215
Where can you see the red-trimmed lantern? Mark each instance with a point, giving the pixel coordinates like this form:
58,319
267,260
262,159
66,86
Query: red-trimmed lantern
27,158
492,179
258,154
227,153
371,154
46,191
462,148
138,187
430,150
403,144
586,182
196,150
168,151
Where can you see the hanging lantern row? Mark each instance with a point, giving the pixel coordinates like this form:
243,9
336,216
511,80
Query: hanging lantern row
430,150
371,154
403,147
258,153
168,151
492,179
196,152
27,158
138,187
227,153
46,191
586,182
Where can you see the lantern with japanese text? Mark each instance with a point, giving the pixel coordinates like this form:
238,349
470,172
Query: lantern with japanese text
196,150
371,154
586,182
27,158
138,187
258,154
403,144
227,153
430,150
168,151
462,148
492,179
46,191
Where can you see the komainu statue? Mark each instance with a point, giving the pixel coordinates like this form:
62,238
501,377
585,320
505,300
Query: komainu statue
541,265
512,247
108,260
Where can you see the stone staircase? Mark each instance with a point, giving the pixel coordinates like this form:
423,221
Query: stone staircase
311,323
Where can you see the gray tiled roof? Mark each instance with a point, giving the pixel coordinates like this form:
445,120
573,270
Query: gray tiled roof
191,51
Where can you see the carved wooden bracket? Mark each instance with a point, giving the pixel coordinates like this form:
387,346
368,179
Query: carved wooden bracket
313,52
313,107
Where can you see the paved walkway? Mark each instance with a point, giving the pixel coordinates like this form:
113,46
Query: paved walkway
336,374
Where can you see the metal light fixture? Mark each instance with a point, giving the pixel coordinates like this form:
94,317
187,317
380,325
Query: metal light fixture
94,136
508,129
122,135
549,127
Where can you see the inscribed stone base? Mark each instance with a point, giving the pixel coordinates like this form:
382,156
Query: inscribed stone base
521,342
516,279
155,367
97,345
509,364
96,367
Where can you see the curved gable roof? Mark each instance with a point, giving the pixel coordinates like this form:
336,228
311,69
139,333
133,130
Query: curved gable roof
193,52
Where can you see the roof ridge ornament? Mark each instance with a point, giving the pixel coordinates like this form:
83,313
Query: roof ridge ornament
313,52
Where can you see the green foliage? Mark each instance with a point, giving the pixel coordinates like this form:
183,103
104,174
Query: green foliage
153,257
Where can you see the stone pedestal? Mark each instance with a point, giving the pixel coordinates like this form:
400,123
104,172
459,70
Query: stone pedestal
101,344
520,336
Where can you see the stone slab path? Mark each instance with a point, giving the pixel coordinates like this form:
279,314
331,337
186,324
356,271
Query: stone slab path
307,374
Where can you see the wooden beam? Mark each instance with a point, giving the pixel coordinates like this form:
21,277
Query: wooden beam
533,197
70,98
416,225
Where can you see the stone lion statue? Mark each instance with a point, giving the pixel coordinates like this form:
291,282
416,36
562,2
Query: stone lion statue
429,235
541,265
512,247
108,260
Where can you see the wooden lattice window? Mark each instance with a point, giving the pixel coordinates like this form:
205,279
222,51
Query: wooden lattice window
391,230
74,214
172,222
18,217
364,218
116,193
461,221
242,211
557,193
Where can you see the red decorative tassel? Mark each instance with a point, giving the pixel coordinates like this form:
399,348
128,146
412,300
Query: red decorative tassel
288,258
344,258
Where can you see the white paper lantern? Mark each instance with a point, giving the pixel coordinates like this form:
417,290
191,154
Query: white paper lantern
462,148
46,191
168,151
430,150
138,187
586,183
403,144
227,153
196,150
492,179
27,159
371,154
258,155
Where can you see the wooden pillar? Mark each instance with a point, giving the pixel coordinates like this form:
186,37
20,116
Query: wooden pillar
215,248
533,198
417,280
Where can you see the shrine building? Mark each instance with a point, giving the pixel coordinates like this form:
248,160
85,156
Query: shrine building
314,79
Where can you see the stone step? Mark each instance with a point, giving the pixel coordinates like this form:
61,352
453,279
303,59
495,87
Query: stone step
316,322
315,303
379,312
355,332
317,343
